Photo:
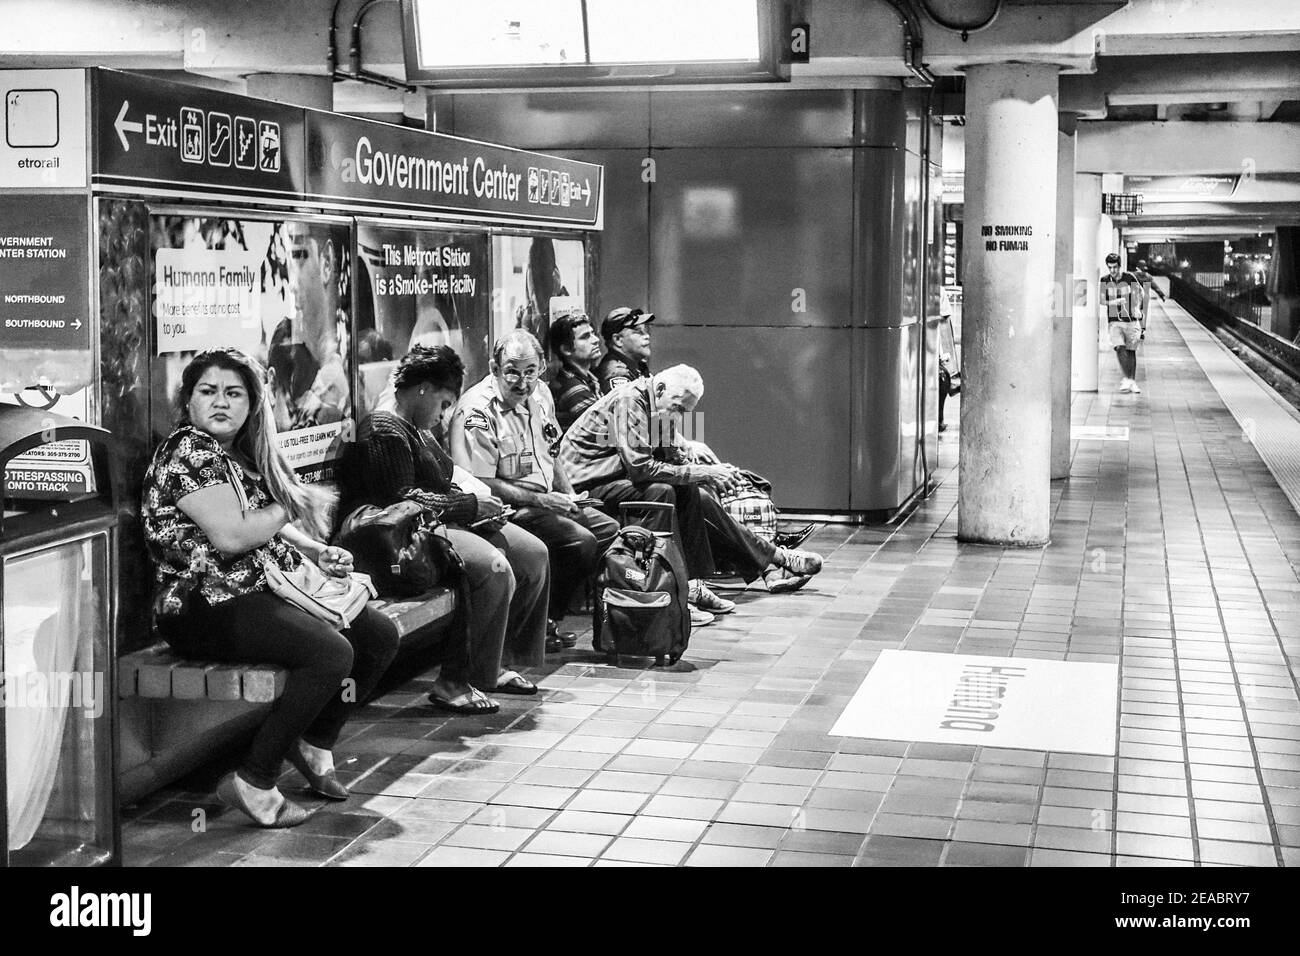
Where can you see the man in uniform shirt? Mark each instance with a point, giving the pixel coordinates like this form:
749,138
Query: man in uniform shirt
627,347
1122,296
574,388
504,432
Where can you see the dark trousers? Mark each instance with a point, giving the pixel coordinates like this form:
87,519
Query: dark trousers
945,383
575,544
261,628
509,580
706,528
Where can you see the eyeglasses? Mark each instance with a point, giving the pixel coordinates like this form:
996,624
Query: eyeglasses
514,377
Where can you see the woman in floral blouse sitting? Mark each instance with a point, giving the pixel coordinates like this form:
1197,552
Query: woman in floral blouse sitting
210,541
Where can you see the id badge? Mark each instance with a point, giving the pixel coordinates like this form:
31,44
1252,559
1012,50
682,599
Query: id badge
526,463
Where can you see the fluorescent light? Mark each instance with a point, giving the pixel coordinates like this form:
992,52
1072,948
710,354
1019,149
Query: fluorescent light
672,31
499,33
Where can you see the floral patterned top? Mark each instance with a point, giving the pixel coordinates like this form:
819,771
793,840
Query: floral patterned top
188,460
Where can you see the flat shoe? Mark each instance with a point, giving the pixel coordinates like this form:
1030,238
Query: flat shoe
470,703
512,682
290,814
783,581
326,784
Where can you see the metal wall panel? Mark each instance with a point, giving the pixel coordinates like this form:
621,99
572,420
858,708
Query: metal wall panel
550,121
735,233
885,451
879,118
758,118
879,224
776,401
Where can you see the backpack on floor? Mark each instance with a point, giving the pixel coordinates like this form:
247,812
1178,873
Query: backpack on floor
640,602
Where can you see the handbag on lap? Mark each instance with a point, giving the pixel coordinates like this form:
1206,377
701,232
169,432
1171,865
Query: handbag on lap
335,600
397,547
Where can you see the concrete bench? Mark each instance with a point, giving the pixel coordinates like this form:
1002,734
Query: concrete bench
175,713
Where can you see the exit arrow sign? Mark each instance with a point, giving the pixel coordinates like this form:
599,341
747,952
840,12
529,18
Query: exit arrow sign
124,126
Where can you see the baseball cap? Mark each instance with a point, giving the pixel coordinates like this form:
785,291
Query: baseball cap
1112,259
622,318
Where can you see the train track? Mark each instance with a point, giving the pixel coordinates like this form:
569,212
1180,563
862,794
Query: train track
1282,355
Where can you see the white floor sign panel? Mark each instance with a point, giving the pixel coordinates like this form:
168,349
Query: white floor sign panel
1021,703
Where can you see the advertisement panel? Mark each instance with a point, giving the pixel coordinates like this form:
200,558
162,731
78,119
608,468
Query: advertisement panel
418,287
536,278
278,290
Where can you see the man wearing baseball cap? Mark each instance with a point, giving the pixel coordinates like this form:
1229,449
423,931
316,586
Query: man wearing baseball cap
1122,295
627,347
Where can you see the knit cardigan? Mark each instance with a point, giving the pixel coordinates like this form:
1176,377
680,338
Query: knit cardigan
391,460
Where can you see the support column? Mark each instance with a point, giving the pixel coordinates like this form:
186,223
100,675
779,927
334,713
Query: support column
1063,299
1087,273
1004,484
296,89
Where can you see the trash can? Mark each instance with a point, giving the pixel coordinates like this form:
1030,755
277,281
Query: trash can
58,586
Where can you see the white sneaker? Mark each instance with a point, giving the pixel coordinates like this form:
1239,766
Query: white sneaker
1126,385
699,618
1133,386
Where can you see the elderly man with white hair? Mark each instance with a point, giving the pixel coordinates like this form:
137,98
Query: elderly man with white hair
610,453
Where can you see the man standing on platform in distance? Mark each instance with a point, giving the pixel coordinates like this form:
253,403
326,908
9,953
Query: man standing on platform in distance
1122,296
1148,283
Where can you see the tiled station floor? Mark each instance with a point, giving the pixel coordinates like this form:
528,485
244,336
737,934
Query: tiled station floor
1174,554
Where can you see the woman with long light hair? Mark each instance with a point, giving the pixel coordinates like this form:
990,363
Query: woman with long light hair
220,502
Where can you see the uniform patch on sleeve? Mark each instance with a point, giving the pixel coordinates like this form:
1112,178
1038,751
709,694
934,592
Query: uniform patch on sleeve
617,381
476,419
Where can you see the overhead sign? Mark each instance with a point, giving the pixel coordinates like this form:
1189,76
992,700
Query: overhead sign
186,137
44,273
44,144
1062,706
1181,188
411,170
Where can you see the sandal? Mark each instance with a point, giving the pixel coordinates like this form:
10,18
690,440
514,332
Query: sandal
512,682
471,702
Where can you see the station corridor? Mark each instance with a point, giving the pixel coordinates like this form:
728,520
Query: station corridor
1175,553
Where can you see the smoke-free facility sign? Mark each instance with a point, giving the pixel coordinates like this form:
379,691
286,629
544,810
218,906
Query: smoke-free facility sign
1021,703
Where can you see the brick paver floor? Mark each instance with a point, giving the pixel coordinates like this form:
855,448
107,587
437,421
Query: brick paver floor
1174,553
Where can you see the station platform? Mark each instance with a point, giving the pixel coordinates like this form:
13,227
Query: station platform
1175,563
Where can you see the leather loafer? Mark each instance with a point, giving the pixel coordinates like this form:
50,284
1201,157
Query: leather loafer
290,814
326,784
557,639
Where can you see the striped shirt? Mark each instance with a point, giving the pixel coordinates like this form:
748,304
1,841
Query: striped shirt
619,436
1122,296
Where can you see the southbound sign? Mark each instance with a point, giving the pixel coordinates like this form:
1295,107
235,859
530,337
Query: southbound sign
189,138
44,272
412,170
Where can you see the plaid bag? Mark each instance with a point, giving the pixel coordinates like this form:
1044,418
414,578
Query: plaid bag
751,505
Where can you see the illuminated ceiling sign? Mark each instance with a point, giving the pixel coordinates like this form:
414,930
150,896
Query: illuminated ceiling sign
1181,188
153,136
411,170
513,43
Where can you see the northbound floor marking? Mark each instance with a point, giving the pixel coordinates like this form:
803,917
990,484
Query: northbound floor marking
1022,703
